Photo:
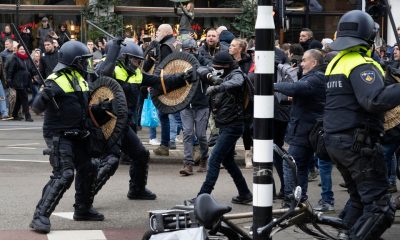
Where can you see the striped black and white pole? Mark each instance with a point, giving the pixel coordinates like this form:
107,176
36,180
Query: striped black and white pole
263,118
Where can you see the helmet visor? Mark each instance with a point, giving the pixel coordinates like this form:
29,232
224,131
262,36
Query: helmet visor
85,63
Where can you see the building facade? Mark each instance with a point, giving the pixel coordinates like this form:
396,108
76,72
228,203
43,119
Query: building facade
141,16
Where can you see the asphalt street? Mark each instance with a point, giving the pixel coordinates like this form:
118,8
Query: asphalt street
24,171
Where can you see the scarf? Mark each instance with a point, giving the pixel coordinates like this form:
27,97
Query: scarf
22,56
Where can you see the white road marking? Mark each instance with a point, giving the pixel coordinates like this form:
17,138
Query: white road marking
12,129
23,147
77,235
22,160
67,215
22,144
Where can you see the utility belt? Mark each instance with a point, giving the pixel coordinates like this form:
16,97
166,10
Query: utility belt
74,134
363,138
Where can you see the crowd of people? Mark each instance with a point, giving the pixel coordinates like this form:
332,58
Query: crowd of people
343,80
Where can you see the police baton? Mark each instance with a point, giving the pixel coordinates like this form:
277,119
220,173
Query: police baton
32,62
100,29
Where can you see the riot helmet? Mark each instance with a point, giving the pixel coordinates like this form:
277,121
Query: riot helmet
74,54
189,45
354,28
131,55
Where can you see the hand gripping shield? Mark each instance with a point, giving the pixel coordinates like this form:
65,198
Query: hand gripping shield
178,99
106,88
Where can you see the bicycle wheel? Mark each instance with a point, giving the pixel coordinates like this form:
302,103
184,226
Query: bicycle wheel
224,233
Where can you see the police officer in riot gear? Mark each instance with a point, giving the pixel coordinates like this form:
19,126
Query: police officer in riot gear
65,102
131,78
356,100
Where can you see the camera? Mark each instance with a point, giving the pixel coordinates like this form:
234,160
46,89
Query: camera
205,74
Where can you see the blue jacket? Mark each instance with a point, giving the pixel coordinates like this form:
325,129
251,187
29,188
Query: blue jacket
308,104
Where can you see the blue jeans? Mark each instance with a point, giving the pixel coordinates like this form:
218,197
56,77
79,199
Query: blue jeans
3,102
223,152
325,173
175,125
391,161
165,128
152,133
303,156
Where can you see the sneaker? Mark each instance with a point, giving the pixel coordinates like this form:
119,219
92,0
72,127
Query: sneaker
312,175
248,198
187,170
161,151
16,118
29,120
6,118
392,188
172,145
178,139
324,206
154,142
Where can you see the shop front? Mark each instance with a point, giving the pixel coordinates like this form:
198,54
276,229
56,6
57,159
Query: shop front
138,16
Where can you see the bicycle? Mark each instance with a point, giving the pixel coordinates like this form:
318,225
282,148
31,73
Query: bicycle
207,214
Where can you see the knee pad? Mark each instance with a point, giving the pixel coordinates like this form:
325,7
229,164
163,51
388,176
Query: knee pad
376,219
67,176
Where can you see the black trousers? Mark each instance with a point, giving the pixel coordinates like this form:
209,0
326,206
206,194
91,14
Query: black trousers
21,100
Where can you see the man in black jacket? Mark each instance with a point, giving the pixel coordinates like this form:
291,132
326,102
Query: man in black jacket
307,41
49,58
227,98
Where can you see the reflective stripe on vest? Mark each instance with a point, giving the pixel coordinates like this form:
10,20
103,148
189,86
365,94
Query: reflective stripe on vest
63,82
347,60
122,75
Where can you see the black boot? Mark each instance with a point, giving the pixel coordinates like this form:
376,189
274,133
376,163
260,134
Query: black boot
138,173
86,213
141,194
40,224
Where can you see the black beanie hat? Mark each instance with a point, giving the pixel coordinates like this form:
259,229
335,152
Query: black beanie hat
222,58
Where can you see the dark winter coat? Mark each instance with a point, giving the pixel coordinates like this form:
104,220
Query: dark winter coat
19,73
209,52
47,63
308,104
227,104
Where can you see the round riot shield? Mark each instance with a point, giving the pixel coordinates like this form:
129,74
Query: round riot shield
178,99
106,88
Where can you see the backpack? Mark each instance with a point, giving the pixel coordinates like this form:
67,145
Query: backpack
248,91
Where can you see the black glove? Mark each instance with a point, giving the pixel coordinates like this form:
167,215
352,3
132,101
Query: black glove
118,40
211,90
190,76
47,94
99,111
106,105
203,72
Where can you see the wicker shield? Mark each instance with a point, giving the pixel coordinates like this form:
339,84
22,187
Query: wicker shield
177,99
107,88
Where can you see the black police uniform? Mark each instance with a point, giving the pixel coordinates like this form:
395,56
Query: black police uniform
65,101
131,80
356,100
